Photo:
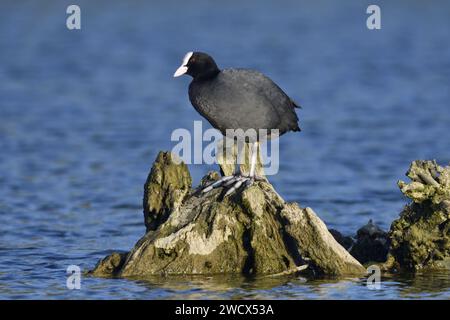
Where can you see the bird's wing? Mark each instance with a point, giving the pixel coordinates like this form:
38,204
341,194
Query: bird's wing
283,104
245,99
233,105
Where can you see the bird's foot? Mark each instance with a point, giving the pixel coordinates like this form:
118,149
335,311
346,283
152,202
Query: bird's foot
233,183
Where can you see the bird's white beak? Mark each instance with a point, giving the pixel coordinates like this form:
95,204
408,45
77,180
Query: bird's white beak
180,71
183,68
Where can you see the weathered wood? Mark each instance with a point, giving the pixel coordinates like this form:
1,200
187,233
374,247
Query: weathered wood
420,237
252,232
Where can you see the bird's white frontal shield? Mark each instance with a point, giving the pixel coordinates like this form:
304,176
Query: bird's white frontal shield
183,68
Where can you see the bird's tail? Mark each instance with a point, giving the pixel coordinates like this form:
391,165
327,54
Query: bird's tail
296,105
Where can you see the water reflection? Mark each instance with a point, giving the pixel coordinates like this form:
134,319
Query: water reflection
429,284
398,286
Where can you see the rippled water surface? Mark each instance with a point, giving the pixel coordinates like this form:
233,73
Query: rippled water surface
84,113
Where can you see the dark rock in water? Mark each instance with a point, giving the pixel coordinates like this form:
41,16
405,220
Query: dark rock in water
420,237
252,232
346,241
370,230
372,244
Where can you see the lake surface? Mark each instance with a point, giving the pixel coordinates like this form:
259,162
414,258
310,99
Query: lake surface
84,113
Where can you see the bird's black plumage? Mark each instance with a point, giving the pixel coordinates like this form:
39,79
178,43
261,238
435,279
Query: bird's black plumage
238,98
242,100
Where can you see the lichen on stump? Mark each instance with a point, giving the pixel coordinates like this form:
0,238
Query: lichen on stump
420,238
252,232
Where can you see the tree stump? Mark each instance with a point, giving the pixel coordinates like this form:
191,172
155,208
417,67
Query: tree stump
420,237
249,232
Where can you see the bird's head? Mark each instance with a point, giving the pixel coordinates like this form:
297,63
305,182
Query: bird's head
198,65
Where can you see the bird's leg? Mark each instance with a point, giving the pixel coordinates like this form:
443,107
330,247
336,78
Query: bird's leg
238,180
223,181
254,159
246,180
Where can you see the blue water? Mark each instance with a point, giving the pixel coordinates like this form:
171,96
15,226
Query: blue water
84,113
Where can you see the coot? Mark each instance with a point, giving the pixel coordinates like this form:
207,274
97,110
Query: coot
237,99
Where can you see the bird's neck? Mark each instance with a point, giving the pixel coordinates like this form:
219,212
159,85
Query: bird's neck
208,74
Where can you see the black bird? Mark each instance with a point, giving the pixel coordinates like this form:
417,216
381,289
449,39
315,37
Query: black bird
237,99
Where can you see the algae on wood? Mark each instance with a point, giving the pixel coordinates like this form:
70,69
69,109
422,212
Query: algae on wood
252,232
